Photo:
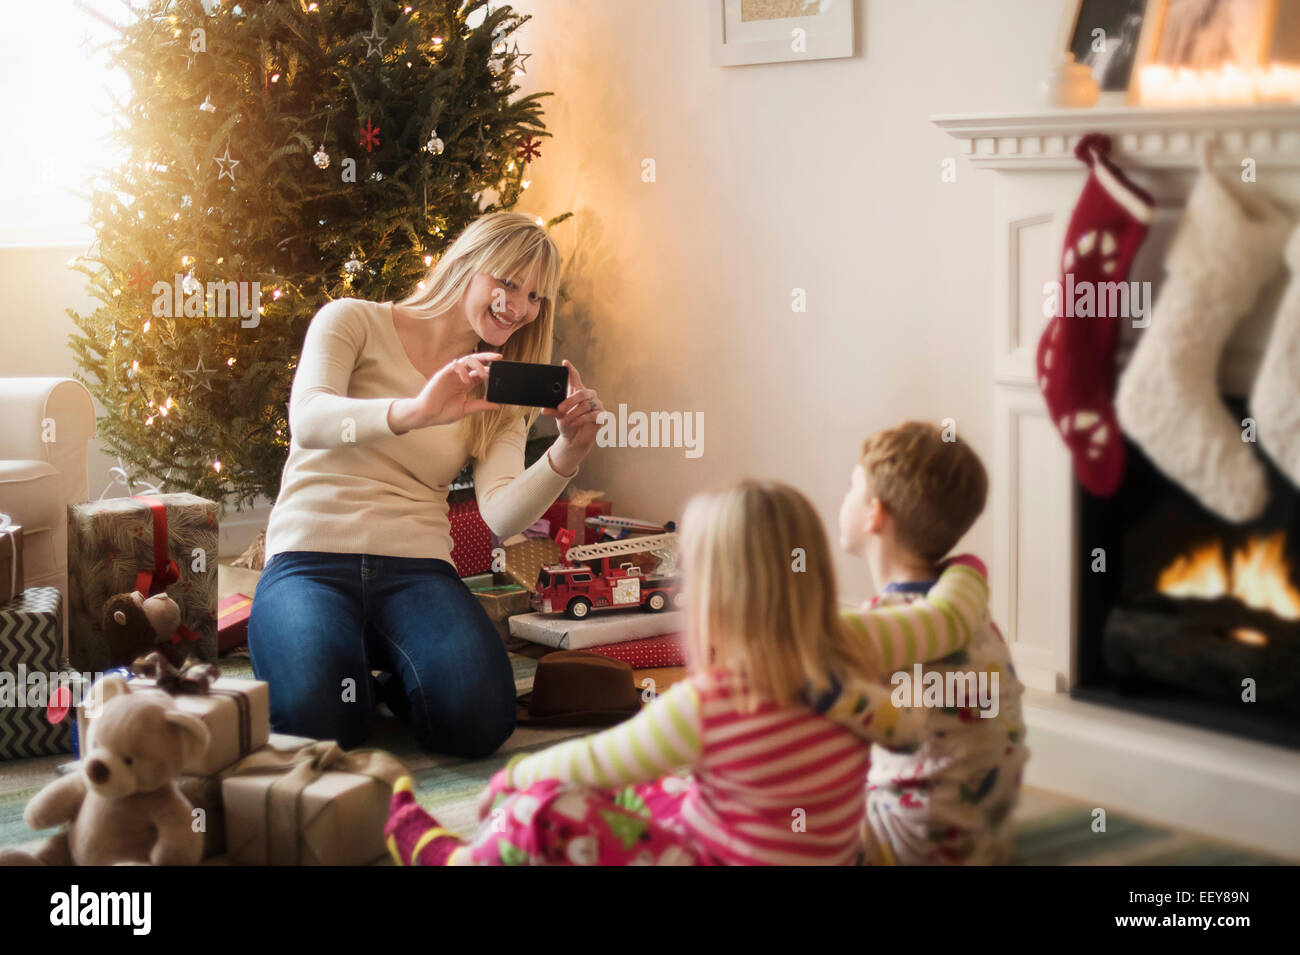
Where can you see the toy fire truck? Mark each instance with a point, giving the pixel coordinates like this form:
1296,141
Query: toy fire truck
599,577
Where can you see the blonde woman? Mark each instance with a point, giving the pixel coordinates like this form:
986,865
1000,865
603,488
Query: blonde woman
776,718
386,409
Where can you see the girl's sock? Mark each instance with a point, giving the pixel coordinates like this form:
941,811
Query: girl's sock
414,837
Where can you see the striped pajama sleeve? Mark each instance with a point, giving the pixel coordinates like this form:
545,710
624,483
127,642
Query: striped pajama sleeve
663,737
930,628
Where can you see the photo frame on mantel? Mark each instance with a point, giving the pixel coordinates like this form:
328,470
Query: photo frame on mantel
1116,52
745,32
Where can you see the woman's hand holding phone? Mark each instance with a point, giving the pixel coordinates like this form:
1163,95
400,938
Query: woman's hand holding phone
576,419
444,397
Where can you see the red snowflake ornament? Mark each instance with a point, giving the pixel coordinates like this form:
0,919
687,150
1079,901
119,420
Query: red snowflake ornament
139,278
370,136
529,149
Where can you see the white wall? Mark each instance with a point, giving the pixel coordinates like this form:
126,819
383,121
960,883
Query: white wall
818,175
38,288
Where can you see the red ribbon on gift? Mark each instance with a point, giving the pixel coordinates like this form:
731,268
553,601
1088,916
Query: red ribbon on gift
164,572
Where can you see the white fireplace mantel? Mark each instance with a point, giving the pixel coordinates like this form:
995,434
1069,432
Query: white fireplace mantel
1235,789
1142,137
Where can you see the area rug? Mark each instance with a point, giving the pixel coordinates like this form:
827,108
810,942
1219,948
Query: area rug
1050,830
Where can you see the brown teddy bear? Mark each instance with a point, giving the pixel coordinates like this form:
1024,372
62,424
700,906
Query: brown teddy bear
123,805
135,626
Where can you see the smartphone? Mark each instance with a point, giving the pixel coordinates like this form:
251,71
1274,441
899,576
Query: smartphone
528,384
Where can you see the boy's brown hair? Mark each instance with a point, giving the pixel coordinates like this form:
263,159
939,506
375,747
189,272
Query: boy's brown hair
932,488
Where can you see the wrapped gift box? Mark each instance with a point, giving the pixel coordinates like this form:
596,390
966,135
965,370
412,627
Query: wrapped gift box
525,559
312,806
11,562
573,514
598,630
500,597
232,621
665,651
471,541
204,792
148,543
31,638
236,712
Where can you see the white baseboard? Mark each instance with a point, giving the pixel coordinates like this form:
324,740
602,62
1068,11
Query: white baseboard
1224,786
238,528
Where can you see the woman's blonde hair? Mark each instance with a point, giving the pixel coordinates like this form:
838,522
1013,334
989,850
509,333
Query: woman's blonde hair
760,594
506,245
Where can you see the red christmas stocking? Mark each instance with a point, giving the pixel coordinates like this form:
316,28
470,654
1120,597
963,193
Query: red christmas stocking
1076,355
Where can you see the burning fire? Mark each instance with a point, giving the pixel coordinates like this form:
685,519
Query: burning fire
1259,576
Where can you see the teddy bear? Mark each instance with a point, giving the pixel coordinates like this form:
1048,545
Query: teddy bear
122,806
134,626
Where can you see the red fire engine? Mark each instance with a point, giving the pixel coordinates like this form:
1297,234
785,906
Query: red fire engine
593,577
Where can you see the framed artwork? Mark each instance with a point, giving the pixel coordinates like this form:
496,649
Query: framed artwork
1206,34
1110,36
779,31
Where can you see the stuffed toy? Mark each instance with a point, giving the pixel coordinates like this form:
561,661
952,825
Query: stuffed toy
122,806
135,626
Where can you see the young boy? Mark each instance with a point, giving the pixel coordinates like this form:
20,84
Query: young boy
910,499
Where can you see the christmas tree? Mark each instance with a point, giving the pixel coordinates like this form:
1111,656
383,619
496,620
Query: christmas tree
279,154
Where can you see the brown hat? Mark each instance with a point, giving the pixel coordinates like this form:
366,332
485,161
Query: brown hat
574,688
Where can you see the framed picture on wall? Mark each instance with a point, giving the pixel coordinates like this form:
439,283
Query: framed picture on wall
1212,52
1207,34
778,31
1110,36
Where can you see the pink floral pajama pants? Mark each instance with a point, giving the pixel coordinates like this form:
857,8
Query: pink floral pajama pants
550,823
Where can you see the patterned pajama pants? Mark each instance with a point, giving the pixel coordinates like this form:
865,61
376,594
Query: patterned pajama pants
550,823
945,822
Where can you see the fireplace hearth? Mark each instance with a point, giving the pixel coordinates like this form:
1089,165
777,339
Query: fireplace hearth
1187,617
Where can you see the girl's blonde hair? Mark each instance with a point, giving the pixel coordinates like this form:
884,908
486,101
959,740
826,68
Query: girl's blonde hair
506,245
760,594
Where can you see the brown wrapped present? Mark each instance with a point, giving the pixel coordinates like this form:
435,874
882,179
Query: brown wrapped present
11,560
236,712
316,805
204,793
525,559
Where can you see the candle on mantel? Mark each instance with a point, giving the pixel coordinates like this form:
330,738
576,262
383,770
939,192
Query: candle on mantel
1174,86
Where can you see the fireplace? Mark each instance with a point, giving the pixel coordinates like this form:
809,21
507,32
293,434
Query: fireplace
1181,612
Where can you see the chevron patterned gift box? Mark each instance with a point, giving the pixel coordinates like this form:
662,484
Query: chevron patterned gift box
31,636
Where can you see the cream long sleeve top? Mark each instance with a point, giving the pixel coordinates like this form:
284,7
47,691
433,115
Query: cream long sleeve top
352,486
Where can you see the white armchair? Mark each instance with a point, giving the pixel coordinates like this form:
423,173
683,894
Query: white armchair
45,427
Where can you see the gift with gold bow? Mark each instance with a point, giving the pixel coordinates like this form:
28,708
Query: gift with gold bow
314,805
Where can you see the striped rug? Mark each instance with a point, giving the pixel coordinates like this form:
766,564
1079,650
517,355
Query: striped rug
1050,829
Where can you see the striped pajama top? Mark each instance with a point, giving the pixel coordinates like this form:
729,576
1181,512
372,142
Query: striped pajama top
775,785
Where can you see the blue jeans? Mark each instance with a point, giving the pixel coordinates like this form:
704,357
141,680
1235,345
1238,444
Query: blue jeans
322,622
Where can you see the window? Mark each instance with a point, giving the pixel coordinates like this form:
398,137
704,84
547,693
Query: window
57,114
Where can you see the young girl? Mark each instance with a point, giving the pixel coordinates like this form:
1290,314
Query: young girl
775,719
